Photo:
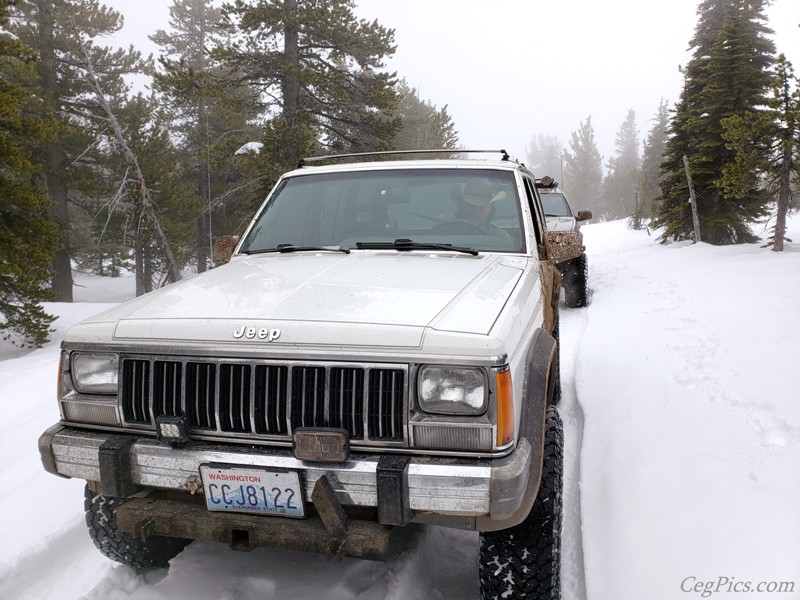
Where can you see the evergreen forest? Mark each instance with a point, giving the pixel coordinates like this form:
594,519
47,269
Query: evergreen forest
102,177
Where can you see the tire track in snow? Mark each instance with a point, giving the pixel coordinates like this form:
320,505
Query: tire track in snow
607,265
573,580
57,567
443,565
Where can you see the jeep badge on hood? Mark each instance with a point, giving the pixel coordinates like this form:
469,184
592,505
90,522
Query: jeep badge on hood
251,332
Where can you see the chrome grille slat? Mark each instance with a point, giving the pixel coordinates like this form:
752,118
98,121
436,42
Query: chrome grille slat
167,387
380,406
394,405
135,376
385,404
342,387
345,400
207,401
200,384
266,398
234,398
251,405
354,402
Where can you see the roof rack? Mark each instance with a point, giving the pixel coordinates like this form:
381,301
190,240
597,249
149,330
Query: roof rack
309,159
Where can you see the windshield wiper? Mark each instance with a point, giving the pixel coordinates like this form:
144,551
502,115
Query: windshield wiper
286,248
405,244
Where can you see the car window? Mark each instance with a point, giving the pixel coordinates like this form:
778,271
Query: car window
555,205
478,208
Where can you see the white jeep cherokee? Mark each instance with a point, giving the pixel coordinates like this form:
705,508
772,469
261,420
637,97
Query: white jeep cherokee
379,352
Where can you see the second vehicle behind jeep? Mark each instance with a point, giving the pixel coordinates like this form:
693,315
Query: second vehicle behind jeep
561,217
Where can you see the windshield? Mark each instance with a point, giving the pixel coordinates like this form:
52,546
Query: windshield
555,205
472,208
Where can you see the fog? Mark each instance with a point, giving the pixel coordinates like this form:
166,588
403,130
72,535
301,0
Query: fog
508,71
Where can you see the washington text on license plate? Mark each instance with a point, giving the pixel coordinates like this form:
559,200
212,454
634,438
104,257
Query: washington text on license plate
239,489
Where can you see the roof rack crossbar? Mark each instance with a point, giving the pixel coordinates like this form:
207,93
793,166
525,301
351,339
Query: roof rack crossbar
309,159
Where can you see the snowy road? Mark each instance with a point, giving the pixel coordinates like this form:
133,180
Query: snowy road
443,565
682,450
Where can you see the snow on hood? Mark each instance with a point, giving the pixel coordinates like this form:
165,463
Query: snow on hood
363,298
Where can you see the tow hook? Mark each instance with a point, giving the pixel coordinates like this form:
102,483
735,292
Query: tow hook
193,484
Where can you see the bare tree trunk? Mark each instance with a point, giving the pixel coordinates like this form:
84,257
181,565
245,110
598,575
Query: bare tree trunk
54,158
59,213
637,212
203,221
291,84
693,200
147,271
204,190
138,253
202,239
784,191
148,210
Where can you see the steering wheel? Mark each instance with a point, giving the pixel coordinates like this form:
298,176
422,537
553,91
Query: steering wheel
458,226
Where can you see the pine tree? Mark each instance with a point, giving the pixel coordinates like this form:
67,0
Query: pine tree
728,75
54,29
320,68
767,146
583,173
211,115
672,210
620,187
424,126
652,157
545,156
28,239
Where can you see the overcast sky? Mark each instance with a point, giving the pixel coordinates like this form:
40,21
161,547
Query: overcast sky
510,70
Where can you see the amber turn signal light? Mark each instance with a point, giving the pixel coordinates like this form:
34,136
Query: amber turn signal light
505,407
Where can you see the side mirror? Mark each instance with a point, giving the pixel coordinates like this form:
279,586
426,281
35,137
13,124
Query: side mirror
584,215
224,246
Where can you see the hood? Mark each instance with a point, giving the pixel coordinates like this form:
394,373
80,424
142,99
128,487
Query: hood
561,223
362,298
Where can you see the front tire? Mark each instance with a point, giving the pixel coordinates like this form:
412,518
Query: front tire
525,561
576,282
555,391
123,547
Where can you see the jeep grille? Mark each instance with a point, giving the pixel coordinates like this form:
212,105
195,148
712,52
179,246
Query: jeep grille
257,398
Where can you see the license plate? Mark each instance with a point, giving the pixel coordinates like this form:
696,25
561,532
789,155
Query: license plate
238,489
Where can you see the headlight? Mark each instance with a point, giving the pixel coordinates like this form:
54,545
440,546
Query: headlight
95,373
452,390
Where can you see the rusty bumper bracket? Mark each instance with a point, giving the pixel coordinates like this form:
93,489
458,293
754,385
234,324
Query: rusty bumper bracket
332,514
190,519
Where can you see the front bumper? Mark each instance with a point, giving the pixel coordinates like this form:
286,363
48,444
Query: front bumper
463,492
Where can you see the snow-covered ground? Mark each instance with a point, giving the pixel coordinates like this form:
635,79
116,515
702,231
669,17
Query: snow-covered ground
682,417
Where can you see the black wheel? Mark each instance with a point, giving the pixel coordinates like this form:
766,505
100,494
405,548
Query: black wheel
555,392
525,561
101,519
576,282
